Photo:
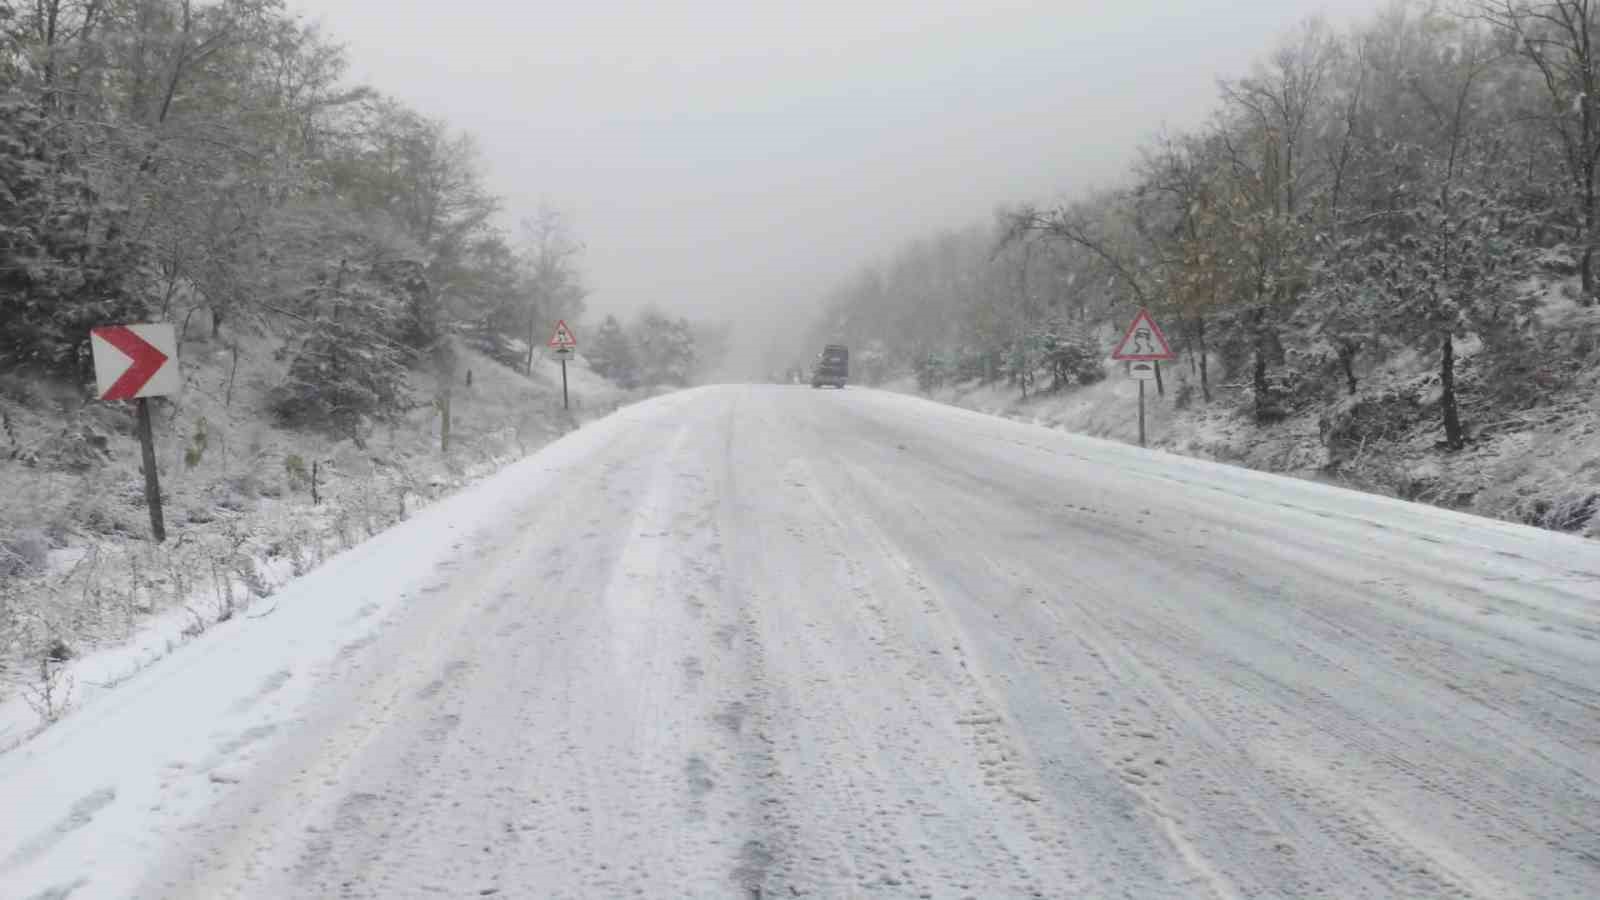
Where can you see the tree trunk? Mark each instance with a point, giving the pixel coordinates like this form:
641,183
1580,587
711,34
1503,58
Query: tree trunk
531,325
1260,382
1161,390
444,421
1347,360
1205,375
1263,400
232,374
1587,269
1447,399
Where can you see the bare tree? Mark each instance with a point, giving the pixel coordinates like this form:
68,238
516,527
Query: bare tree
554,283
1267,115
1281,97
1559,37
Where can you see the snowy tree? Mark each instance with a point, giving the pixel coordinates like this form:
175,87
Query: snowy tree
167,158
665,348
713,341
1070,355
676,361
350,365
932,370
871,363
56,280
1451,267
555,285
611,354
491,304
1265,230
1402,193
1352,311
1559,39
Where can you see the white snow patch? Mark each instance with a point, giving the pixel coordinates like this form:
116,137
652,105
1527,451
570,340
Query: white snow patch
117,762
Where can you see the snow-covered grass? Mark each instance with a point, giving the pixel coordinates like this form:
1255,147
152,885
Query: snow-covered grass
271,651
1108,409
1538,466
86,600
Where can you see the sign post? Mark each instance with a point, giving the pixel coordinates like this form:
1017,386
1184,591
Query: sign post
565,344
1143,347
152,482
137,362
1141,413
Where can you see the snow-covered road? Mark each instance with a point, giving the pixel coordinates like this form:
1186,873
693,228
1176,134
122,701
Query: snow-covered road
769,642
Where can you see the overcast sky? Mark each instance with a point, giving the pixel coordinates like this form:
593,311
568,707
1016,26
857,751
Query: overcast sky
731,157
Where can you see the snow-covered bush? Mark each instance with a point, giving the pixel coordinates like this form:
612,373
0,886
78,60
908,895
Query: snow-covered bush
350,365
931,371
1349,427
871,363
1070,354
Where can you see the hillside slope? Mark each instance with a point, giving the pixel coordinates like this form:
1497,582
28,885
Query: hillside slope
1537,464
248,505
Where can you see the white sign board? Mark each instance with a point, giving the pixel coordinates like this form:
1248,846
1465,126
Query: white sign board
1142,371
133,361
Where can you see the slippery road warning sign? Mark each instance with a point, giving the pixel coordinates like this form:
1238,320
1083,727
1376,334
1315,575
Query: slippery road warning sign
1144,348
133,361
563,339
1143,342
565,343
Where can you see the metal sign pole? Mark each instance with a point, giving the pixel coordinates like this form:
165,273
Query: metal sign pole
1141,413
564,403
152,486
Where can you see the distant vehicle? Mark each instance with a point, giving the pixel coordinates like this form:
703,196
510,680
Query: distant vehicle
833,367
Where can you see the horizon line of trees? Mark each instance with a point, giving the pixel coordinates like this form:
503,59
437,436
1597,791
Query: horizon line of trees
1415,183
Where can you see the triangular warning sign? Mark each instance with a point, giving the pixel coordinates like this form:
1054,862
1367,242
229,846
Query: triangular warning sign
563,338
1143,342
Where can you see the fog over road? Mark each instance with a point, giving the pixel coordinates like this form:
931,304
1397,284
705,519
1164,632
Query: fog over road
763,641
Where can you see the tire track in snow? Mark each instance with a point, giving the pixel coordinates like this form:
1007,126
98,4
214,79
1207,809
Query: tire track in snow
1005,752
1181,643
863,599
383,739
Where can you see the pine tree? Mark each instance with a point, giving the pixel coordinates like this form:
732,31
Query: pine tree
58,276
679,361
1069,354
352,365
666,349
611,354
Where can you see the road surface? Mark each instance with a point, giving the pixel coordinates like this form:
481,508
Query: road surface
774,642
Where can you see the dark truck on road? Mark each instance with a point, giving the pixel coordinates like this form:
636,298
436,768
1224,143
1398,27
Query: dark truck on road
833,367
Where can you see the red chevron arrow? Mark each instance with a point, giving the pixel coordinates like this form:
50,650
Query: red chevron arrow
147,361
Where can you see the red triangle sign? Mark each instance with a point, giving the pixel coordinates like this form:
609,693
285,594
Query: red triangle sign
563,338
1143,342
